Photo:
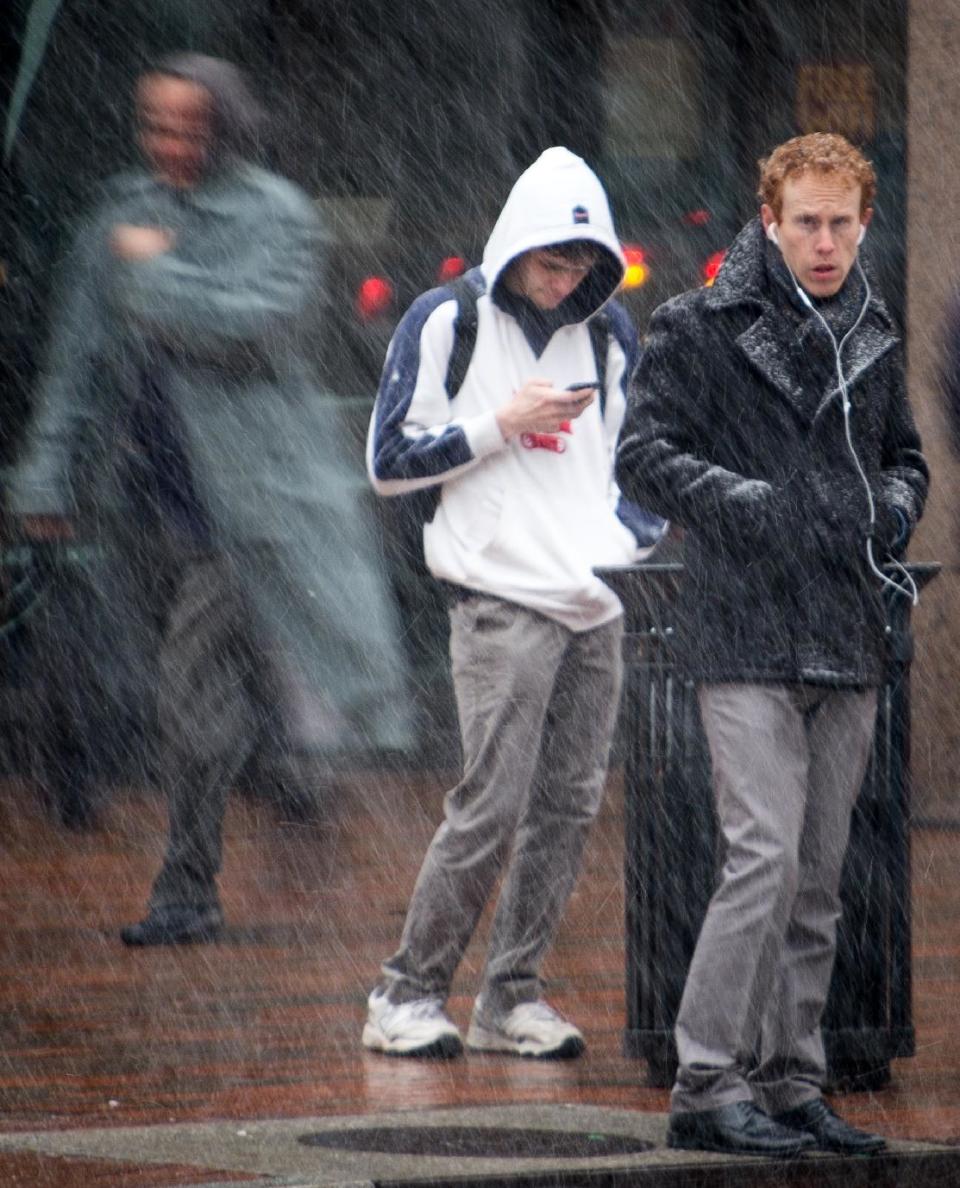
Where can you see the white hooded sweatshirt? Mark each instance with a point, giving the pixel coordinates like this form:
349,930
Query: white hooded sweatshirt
527,519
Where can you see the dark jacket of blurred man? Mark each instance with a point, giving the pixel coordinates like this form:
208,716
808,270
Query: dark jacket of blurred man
769,419
178,426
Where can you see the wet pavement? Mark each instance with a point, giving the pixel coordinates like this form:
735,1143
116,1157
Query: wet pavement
236,1062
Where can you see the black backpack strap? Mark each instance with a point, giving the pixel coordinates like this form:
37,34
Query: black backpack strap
466,290
599,327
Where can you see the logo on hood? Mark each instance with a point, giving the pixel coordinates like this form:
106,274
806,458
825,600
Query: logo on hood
581,214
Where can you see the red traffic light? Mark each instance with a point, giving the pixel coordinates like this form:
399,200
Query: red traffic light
374,297
450,268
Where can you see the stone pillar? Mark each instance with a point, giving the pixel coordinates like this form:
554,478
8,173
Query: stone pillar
933,267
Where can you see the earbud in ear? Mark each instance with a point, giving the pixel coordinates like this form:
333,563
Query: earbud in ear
772,234
862,235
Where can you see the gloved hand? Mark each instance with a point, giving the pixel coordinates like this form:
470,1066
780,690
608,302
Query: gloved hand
891,530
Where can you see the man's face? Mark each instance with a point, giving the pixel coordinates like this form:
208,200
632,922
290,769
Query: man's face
175,118
818,227
546,278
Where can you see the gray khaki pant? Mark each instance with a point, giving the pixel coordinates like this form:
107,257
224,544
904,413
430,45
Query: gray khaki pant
537,706
788,762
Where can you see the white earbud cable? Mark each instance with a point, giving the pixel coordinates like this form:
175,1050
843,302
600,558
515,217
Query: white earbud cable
908,588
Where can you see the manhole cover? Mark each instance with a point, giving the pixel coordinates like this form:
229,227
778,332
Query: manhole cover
479,1142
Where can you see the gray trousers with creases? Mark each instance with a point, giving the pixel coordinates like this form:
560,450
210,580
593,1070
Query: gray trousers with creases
788,762
537,706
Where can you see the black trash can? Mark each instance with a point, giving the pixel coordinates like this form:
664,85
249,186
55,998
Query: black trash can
673,848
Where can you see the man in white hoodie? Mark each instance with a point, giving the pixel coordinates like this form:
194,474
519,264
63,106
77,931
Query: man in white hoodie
527,508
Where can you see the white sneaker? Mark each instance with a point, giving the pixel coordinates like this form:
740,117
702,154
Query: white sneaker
419,1028
530,1029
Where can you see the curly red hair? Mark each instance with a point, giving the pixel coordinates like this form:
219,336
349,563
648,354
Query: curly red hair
817,152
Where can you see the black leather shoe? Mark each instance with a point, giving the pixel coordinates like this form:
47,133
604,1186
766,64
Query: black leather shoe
830,1131
175,926
738,1129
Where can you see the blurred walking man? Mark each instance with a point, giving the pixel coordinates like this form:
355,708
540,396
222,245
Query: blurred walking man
178,426
522,465
769,419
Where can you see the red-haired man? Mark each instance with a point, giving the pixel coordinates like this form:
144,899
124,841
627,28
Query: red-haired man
768,417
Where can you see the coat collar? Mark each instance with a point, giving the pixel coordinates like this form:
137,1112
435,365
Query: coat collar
221,191
743,282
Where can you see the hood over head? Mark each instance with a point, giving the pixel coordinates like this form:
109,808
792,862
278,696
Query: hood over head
238,118
558,199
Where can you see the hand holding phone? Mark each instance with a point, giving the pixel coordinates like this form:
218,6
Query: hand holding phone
538,407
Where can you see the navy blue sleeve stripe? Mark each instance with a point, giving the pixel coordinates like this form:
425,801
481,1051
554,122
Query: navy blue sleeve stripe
396,455
646,527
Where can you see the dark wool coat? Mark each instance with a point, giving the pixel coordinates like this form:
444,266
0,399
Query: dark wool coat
735,431
216,323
